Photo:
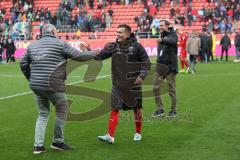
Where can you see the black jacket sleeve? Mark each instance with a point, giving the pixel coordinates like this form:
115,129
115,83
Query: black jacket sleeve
25,65
221,41
146,64
170,40
103,55
107,51
229,42
236,40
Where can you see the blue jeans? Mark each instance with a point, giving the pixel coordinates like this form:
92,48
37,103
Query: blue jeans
43,99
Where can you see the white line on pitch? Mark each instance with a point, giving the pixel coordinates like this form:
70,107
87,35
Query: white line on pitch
25,93
21,76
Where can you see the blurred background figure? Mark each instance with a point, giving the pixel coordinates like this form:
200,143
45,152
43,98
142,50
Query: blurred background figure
225,43
10,50
237,47
182,37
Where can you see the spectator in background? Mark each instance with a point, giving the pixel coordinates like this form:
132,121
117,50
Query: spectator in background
110,11
152,9
194,15
41,27
184,3
230,14
155,22
108,20
229,27
26,6
182,42
235,26
1,49
210,54
78,34
58,19
181,18
237,47
172,12
216,28
205,47
91,4
225,43
204,27
177,11
42,14
189,18
214,45
154,32
210,25
48,16
193,48
37,15
10,50
201,14
190,2
222,26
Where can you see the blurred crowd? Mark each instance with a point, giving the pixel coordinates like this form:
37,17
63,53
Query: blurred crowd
219,16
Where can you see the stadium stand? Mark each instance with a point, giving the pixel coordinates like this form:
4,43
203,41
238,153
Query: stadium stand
70,27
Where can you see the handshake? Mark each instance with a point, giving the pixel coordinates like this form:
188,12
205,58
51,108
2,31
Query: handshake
86,47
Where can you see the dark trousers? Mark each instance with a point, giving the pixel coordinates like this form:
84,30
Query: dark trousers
193,62
10,57
210,56
1,55
226,51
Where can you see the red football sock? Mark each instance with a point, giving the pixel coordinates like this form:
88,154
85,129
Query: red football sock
186,63
138,120
113,121
182,64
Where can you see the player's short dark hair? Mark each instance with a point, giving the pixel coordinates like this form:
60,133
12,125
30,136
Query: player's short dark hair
126,27
166,22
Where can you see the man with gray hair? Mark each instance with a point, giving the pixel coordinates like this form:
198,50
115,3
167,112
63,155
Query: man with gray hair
44,66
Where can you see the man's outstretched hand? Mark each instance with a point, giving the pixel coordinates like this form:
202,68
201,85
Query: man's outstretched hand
84,46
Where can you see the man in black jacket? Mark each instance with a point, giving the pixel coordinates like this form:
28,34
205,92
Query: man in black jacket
1,49
167,68
225,43
210,54
10,50
41,66
205,47
237,47
130,65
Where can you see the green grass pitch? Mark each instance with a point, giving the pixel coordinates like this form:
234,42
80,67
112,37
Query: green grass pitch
208,128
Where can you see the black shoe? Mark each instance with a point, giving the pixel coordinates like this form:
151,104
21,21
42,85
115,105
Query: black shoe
172,114
60,146
158,113
39,150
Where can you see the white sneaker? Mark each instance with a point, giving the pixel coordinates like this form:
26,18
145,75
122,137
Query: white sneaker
182,71
106,138
236,60
137,137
